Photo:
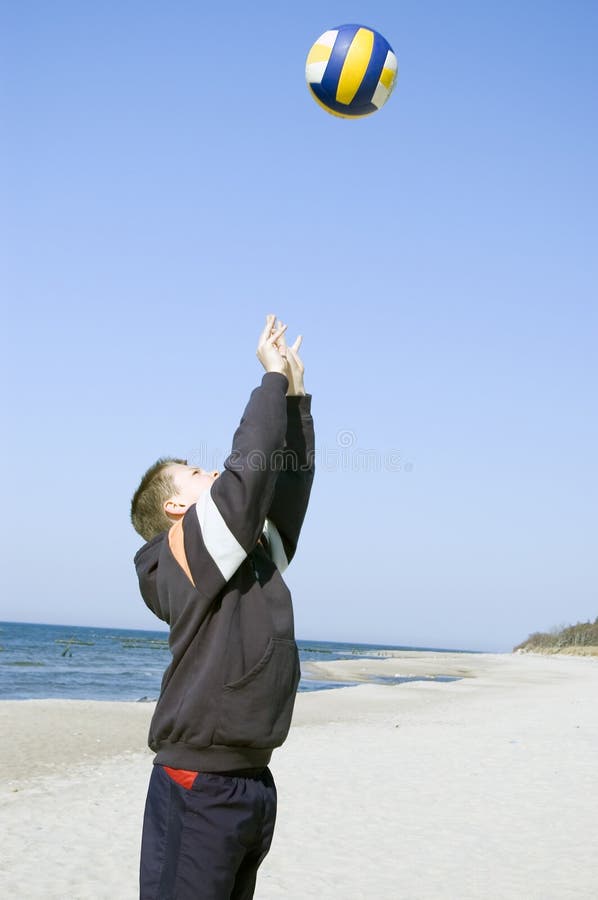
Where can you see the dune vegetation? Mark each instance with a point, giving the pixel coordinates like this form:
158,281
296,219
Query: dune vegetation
580,639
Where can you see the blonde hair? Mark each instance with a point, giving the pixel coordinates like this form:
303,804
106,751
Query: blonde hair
147,506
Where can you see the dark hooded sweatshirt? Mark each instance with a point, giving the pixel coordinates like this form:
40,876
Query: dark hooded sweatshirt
227,696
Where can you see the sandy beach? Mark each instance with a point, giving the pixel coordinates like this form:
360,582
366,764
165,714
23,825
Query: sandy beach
485,787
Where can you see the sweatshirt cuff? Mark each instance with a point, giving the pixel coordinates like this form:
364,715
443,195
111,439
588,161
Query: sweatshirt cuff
274,380
301,403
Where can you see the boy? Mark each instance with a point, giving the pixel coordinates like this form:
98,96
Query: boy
211,569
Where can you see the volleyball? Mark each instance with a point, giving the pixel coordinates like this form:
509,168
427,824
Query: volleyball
351,71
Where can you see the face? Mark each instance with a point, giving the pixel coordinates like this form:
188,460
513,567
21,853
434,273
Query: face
191,482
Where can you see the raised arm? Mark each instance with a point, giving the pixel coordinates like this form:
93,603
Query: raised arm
223,527
293,485
294,482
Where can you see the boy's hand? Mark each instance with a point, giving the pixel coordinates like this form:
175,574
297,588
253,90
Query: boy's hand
268,351
296,367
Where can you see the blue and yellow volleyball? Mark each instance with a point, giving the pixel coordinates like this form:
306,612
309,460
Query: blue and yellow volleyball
351,71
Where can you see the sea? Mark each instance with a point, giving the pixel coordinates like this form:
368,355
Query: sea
82,663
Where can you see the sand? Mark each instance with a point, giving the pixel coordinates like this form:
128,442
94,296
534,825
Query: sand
481,788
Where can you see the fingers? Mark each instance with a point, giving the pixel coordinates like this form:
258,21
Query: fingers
271,333
267,328
282,342
293,352
276,335
273,330
295,360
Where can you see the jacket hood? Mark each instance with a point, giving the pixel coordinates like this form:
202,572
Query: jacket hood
146,565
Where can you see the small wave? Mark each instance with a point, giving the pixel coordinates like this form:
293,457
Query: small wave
152,643
26,663
75,642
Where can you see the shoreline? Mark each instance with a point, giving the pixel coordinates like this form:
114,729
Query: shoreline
407,663
468,789
81,732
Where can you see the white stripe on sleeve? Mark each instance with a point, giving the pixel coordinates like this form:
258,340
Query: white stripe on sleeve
221,544
279,557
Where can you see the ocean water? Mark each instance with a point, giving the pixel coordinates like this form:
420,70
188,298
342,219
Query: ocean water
73,662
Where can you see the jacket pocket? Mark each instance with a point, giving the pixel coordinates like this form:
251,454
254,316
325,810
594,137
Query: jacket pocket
256,710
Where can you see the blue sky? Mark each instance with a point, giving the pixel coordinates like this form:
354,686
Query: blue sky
167,180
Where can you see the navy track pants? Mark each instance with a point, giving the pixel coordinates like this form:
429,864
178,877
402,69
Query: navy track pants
206,842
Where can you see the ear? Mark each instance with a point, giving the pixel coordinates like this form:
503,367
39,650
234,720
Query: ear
174,509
